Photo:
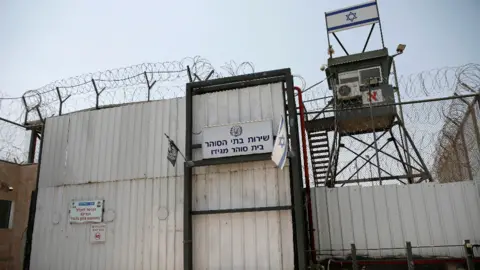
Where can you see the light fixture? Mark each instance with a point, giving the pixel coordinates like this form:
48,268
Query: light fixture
401,48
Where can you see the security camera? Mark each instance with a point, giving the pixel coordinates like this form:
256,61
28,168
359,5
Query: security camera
10,188
323,67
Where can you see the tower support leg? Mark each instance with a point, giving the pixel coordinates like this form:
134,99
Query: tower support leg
409,139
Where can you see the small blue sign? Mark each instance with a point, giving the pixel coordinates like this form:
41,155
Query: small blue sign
86,203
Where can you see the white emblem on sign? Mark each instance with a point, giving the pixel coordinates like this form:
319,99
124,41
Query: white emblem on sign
236,131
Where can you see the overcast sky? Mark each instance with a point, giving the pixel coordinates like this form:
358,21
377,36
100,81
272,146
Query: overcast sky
43,41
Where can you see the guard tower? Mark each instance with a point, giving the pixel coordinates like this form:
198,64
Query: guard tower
363,106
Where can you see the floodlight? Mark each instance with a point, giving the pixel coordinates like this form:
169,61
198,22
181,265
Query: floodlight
401,48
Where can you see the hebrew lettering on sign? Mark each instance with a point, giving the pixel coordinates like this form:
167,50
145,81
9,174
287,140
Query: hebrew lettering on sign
238,139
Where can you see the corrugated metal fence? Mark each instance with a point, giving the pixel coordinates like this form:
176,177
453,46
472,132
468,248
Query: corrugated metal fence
379,220
120,155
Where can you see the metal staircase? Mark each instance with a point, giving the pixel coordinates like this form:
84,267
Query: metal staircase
319,155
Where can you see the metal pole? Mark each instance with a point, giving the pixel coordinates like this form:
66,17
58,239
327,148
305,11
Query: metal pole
410,263
469,255
187,187
306,174
328,37
465,149
402,135
475,127
296,180
417,152
32,147
374,135
380,25
11,122
354,257
33,209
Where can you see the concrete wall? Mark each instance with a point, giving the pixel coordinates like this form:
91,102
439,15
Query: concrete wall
22,178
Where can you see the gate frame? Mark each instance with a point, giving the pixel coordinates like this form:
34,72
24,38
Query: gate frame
295,169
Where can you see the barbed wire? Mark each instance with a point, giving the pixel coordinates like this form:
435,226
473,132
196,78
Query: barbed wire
426,122
143,82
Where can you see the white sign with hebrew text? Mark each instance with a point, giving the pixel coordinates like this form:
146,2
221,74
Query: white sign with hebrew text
237,139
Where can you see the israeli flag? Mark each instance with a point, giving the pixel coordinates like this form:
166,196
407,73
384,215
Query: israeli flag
351,17
280,148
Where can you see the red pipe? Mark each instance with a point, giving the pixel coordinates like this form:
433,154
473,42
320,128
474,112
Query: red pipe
397,262
307,176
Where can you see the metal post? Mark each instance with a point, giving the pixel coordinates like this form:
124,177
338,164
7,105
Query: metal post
149,86
97,94
328,38
33,208
354,257
402,136
416,152
380,25
410,263
32,147
60,101
410,180
469,255
374,135
296,179
475,126
27,110
465,149
187,187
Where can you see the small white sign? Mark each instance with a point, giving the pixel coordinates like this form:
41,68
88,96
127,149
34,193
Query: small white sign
237,139
97,232
373,96
86,211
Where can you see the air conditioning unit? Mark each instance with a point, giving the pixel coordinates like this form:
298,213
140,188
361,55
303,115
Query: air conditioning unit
348,90
371,75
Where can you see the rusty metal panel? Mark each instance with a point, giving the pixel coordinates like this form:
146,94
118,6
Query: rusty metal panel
380,219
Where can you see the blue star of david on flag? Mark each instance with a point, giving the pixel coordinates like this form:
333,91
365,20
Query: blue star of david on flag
351,16
282,141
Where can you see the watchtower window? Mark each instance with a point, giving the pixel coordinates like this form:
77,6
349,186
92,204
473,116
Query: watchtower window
367,74
5,214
